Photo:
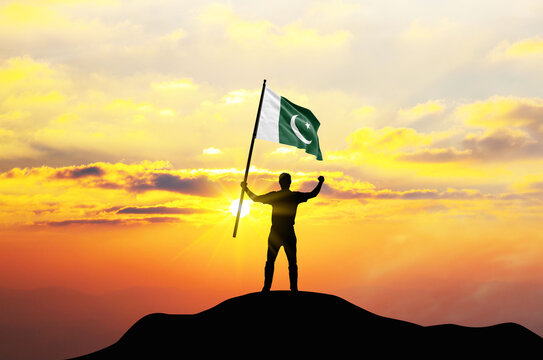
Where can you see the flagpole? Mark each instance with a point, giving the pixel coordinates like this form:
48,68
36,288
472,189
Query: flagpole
249,157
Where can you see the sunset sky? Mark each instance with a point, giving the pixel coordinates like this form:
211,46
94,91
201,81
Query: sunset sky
125,127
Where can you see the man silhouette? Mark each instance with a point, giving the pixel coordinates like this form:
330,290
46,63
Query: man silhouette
285,204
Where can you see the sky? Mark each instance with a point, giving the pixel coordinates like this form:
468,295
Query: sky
125,127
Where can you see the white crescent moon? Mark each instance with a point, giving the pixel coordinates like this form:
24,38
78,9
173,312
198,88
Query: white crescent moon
297,132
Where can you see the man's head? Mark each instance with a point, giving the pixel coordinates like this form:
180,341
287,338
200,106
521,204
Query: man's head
285,181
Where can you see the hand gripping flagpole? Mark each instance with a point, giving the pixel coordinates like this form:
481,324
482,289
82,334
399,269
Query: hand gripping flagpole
249,157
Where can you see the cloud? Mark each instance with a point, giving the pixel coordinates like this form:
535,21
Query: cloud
503,144
46,116
261,33
426,194
538,185
174,36
499,145
386,139
21,74
158,210
79,172
387,148
200,186
499,111
40,28
335,193
529,183
148,177
79,196
436,155
211,151
140,177
498,129
528,48
340,190
282,150
110,222
421,111
240,96
44,194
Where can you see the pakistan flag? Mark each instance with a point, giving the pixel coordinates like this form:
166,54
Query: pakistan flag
286,123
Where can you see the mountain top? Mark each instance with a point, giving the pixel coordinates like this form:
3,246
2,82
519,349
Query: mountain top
308,324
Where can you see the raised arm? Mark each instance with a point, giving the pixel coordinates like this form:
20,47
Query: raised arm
251,194
317,188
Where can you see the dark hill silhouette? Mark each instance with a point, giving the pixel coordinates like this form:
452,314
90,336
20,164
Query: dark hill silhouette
309,324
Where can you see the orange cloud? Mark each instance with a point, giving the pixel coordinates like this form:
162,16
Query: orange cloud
105,193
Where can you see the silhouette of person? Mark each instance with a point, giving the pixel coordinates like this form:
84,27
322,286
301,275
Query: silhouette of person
284,205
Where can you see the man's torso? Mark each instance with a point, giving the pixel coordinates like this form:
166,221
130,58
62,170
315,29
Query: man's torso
284,203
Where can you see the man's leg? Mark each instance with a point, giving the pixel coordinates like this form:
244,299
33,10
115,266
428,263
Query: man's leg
274,244
290,250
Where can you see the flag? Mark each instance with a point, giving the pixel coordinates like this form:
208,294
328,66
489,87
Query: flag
284,122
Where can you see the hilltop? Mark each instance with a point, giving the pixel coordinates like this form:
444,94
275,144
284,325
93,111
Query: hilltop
308,324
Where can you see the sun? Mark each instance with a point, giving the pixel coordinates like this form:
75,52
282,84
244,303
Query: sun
245,208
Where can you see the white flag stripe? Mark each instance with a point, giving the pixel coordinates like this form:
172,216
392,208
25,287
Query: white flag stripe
268,125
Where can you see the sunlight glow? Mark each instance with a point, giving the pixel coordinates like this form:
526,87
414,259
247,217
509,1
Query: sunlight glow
245,208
